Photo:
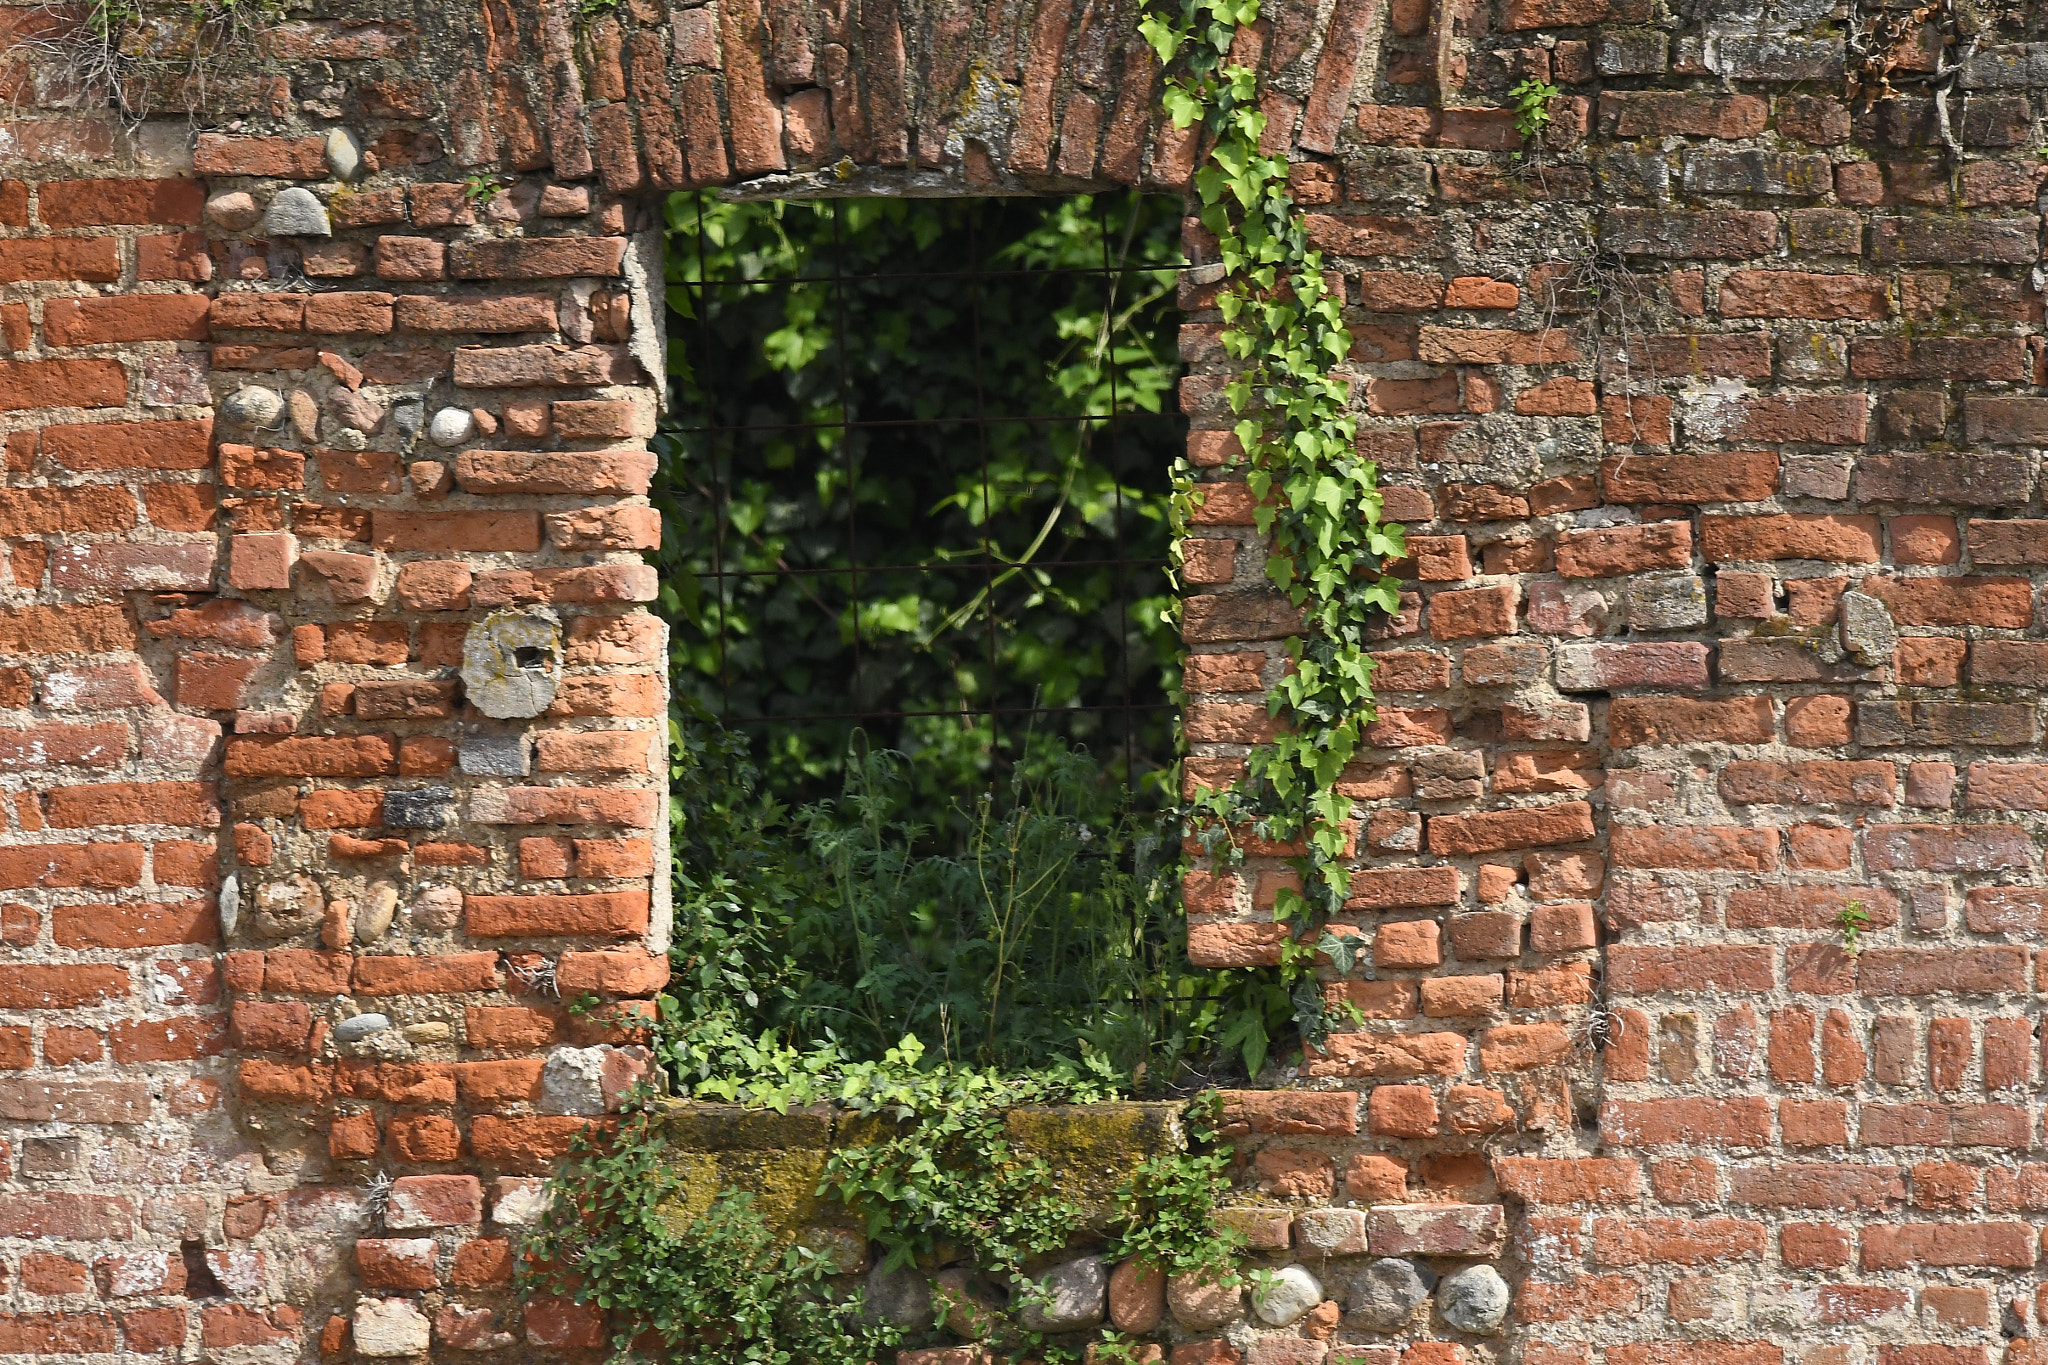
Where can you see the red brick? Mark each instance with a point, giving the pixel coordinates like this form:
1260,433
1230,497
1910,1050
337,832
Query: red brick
104,866
1668,113
142,317
1749,476
1647,970
1835,539
443,531
338,756
1635,721
1695,847
1676,1241
1522,1047
1946,848
1582,1180
134,926
2000,602
1744,1122
482,1261
624,971
1900,1245
1624,550
101,203
426,974
302,158
1798,294
280,1083
536,257
635,807
1796,1185
1533,827
1926,971
85,259
1455,615
396,1262
130,445
523,1144
1812,782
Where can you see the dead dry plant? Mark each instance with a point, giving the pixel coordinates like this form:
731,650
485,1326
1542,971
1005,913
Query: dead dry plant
137,57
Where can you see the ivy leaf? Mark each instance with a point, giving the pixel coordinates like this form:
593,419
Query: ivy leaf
1180,106
1247,1035
1165,39
1341,949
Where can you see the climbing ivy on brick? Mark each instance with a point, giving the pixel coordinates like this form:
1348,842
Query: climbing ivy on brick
1318,499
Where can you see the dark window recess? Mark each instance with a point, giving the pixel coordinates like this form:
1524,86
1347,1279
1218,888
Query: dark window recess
914,480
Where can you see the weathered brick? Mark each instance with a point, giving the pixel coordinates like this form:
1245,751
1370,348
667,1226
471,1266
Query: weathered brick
1695,848
1985,480
536,257
1799,294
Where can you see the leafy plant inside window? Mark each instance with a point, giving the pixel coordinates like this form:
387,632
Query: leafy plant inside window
916,483
915,494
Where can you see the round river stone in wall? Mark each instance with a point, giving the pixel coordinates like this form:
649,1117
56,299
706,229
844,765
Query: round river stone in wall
1201,1304
1387,1292
232,211
1137,1298
1068,1298
901,1297
344,154
296,213
1474,1299
253,406
361,1026
451,427
1292,1293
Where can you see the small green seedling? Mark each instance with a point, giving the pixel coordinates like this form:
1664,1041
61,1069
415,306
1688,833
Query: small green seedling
1532,106
482,188
1852,921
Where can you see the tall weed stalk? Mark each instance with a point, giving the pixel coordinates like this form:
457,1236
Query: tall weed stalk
1044,927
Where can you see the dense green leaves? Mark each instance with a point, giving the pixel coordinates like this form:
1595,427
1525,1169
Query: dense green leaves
1052,931
711,1290
1318,500
918,474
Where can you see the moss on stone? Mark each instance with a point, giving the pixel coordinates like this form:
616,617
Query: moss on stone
780,1158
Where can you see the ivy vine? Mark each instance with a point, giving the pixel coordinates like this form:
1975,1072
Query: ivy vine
937,1180
1318,500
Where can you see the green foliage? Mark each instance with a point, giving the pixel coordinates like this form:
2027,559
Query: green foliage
482,188
940,1179
1852,921
1318,500
1532,106
984,491
1166,1209
713,1291
1051,931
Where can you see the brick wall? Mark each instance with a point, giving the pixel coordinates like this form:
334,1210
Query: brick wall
1722,617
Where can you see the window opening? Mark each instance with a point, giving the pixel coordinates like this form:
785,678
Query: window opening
915,481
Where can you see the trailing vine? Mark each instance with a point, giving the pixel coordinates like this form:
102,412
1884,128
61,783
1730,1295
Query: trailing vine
1318,499
937,1180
